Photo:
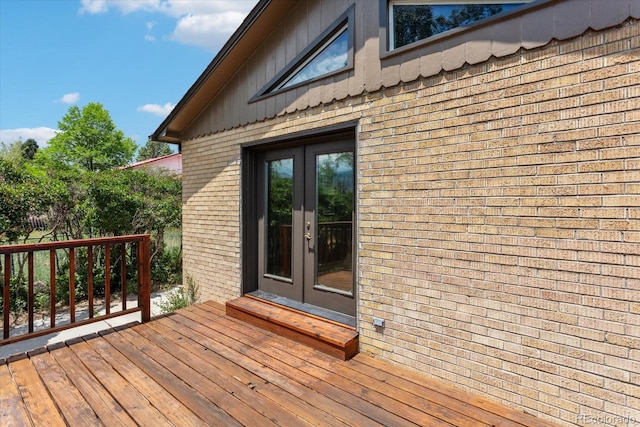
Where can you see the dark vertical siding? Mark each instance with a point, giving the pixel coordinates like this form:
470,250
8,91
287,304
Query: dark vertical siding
559,19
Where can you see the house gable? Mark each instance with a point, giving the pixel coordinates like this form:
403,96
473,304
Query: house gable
279,31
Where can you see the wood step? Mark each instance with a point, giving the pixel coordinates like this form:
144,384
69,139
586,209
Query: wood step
335,339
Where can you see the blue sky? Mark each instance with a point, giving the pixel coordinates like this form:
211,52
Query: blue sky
135,57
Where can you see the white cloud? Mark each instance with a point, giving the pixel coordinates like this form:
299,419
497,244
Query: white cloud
157,109
205,30
125,6
206,24
180,8
150,37
70,98
94,6
42,135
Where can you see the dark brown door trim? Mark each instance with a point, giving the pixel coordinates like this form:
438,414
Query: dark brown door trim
252,180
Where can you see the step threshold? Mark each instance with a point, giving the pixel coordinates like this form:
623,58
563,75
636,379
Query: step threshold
330,337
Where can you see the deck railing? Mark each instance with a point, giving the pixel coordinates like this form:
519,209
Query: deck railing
141,257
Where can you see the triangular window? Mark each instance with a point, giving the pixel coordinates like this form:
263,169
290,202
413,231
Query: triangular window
332,56
330,53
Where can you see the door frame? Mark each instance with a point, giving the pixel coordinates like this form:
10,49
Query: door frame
249,184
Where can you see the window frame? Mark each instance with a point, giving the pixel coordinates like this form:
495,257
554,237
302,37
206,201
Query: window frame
386,23
345,22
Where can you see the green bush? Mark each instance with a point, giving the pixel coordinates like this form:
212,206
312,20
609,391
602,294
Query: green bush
181,297
166,268
18,295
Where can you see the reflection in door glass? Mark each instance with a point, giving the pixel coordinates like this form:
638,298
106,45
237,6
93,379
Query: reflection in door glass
335,188
279,217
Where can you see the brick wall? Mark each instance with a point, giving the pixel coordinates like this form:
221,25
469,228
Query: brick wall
500,227
499,224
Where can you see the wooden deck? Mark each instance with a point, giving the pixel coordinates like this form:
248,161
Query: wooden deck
200,367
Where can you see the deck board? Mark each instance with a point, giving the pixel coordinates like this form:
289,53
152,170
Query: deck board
72,406
200,367
34,394
107,409
174,410
13,411
132,401
248,381
385,408
318,368
271,369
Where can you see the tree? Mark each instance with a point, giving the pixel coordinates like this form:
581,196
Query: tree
29,149
412,23
153,149
466,15
416,22
22,194
88,140
12,152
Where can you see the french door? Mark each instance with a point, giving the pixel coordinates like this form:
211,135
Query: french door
305,210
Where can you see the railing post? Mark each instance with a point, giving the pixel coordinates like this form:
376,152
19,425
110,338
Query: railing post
90,279
6,294
52,288
107,278
30,290
144,277
72,285
123,276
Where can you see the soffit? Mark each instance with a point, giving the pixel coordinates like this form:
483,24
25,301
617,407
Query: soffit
261,21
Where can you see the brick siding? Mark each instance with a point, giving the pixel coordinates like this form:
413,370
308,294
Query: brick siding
498,224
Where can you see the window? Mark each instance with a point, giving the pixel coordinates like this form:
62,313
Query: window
411,20
329,53
332,56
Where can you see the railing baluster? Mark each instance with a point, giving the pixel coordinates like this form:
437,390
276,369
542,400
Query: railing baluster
90,279
72,285
140,261
6,294
107,278
123,273
52,288
30,292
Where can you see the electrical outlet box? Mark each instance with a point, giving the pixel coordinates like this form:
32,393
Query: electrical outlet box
378,322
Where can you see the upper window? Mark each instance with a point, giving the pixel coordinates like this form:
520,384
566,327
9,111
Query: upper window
329,53
413,20
331,56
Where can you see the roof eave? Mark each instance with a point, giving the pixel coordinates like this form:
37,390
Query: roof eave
165,132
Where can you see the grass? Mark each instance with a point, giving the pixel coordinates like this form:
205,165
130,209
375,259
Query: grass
173,238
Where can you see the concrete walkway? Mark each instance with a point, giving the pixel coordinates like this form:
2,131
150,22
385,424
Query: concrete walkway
63,318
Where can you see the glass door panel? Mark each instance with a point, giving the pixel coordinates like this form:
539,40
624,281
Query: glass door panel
279,218
334,219
280,190
329,212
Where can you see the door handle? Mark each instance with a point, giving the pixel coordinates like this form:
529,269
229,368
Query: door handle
307,236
